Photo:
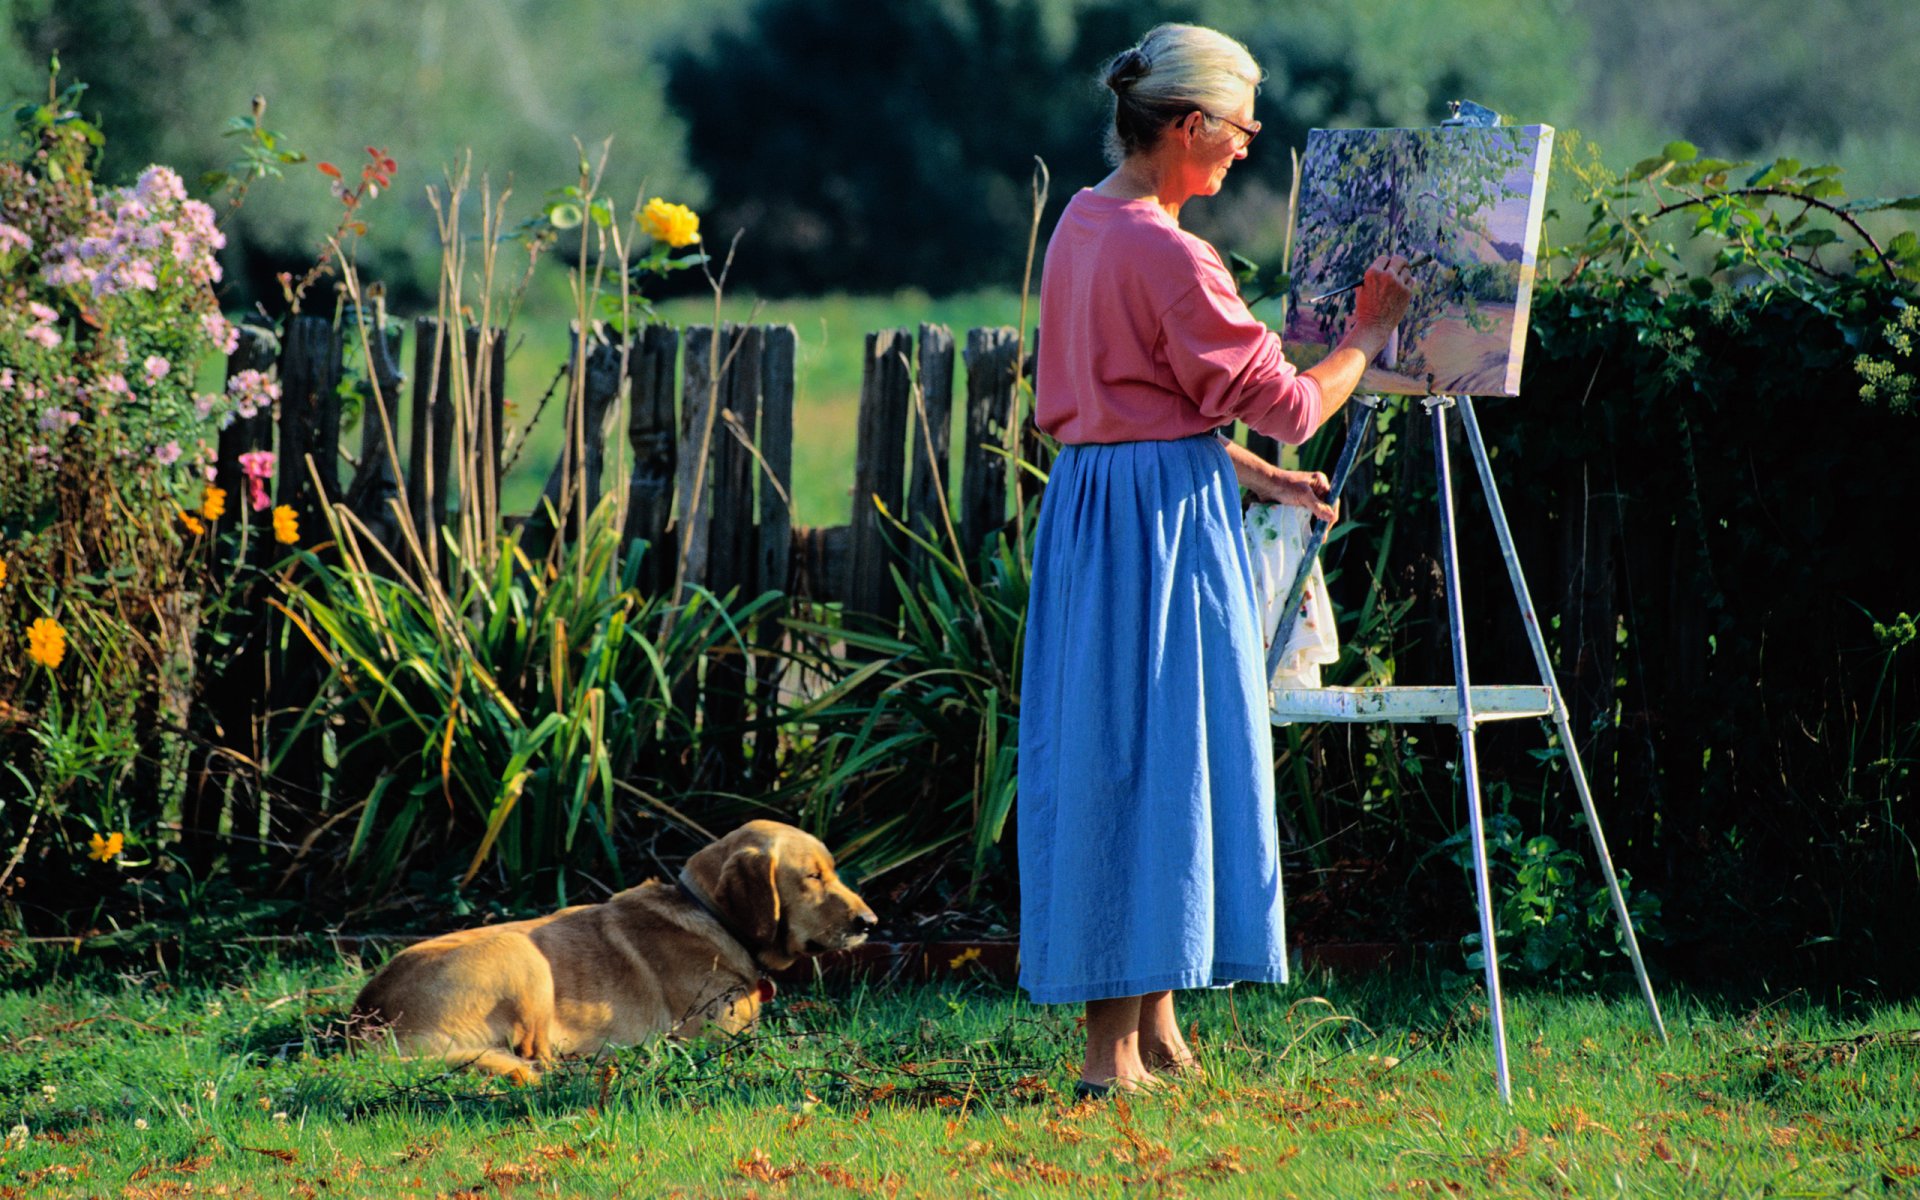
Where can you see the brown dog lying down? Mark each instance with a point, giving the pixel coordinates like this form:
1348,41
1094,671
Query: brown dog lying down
661,958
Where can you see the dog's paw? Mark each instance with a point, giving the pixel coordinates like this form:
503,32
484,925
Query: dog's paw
521,1077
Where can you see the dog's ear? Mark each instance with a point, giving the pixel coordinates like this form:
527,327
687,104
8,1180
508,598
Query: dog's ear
748,892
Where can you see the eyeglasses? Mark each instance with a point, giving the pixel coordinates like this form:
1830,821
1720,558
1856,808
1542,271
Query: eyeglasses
1247,134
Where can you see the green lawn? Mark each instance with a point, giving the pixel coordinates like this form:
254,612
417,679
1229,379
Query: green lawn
832,337
237,1086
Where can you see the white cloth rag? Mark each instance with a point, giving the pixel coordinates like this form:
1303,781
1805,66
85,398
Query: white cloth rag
1276,541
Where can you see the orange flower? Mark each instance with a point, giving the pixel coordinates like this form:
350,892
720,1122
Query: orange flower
3,572
192,523
286,525
46,642
105,849
213,503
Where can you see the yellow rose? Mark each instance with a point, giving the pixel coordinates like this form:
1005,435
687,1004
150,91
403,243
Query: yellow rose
286,525
46,642
105,849
213,503
674,224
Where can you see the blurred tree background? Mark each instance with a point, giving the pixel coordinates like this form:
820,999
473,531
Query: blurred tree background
868,147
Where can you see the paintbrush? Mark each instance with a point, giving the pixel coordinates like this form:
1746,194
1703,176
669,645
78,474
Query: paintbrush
1418,260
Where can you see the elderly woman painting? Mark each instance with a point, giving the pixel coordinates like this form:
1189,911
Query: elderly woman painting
1149,856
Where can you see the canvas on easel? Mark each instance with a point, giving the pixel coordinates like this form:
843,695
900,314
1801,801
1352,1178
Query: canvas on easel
1463,204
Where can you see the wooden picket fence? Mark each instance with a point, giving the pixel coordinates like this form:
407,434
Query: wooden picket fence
737,460
728,442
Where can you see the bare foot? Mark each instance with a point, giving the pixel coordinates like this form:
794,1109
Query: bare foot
1160,1044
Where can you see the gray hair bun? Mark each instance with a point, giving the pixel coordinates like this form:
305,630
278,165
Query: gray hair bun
1129,68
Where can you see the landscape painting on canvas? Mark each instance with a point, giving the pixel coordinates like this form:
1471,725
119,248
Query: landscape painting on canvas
1463,204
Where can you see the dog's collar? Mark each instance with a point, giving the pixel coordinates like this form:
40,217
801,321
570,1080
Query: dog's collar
705,905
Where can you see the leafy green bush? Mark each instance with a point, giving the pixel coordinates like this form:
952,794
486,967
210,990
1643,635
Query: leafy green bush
1552,918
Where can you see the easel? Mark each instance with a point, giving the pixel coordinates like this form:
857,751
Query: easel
1465,704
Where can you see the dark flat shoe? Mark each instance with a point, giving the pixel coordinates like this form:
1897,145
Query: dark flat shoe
1180,1069
1087,1090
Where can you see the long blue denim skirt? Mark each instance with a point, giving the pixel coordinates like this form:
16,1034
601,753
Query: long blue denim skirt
1149,855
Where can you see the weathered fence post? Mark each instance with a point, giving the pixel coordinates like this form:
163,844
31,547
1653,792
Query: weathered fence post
430,439
375,490
494,425
1027,485
879,472
650,367
695,472
219,763
733,560
310,370
776,447
566,499
309,415
733,556
776,530
992,362
487,359
928,501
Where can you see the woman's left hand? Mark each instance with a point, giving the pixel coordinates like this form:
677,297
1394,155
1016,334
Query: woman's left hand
1301,489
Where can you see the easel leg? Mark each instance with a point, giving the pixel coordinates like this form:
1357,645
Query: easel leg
1469,756
1561,721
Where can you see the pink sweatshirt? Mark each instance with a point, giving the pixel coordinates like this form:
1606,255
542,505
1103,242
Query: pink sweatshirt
1143,336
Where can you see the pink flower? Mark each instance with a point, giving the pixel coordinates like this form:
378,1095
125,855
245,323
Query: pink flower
42,457
133,274
66,273
257,466
46,335
160,185
11,238
252,391
156,367
115,384
58,418
41,313
168,454
6,379
221,332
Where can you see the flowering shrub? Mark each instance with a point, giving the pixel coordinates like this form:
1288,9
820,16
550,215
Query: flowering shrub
110,314
107,446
